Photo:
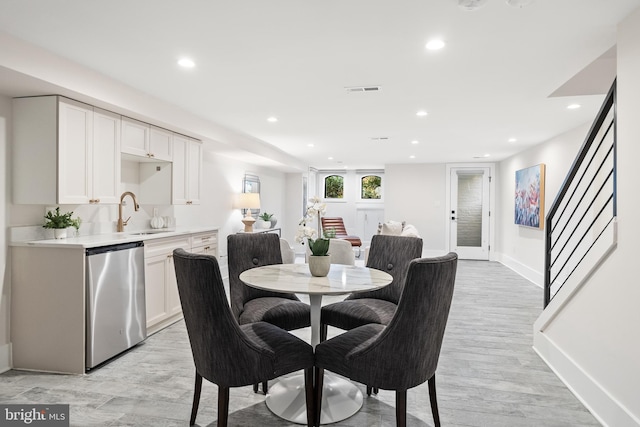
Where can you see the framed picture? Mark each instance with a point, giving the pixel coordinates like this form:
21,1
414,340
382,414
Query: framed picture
529,197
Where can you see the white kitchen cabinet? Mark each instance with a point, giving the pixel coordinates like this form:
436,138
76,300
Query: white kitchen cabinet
84,140
105,157
187,170
205,243
161,290
145,140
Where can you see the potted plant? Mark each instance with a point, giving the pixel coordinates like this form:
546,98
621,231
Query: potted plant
319,261
59,222
266,219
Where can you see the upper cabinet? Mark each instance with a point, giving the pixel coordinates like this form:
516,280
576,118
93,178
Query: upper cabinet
84,140
68,152
145,140
187,170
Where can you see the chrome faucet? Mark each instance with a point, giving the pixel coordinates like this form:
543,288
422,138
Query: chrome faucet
136,206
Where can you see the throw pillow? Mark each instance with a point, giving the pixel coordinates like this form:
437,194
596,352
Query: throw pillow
410,231
391,228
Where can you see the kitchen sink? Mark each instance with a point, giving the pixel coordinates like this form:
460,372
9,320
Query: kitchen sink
144,233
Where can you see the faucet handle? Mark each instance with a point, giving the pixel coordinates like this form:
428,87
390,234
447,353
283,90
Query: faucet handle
126,221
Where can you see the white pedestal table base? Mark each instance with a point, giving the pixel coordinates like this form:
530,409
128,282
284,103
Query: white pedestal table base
340,399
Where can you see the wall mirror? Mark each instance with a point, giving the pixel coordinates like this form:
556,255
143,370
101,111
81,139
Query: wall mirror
251,184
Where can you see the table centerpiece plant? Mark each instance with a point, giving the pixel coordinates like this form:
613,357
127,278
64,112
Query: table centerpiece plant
319,261
59,222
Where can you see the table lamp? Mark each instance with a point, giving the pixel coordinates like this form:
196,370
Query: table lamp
247,201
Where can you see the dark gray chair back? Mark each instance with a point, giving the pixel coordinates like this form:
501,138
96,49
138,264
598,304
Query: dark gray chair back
391,254
221,353
246,251
406,352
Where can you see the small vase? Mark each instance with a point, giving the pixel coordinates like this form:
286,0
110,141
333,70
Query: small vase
319,265
60,233
156,221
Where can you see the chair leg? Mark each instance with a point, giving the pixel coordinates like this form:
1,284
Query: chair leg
196,399
369,388
319,376
309,392
401,408
376,390
265,387
223,406
434,401
323,331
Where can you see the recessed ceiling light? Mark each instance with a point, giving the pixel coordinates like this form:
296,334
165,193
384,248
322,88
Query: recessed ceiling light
512,140
471,4
421,113
272,119
487,155
186,63
330,158
435,44
573,106
309,145
412,156
414,142
519,3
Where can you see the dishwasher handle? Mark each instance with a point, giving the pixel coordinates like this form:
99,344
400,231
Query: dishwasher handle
113,248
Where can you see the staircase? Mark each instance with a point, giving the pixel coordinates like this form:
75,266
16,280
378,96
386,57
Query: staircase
581,223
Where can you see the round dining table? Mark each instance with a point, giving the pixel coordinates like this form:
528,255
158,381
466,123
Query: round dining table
340,398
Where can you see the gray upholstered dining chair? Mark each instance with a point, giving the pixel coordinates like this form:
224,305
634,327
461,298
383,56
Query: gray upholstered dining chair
224,352
405,353
249,305
390,254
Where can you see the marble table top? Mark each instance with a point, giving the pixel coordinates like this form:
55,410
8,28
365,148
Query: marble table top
296,278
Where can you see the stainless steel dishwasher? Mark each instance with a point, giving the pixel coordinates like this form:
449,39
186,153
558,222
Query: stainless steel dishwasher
116,315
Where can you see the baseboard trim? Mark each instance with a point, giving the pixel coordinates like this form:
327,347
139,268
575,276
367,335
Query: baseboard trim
5,358
525,271
604,407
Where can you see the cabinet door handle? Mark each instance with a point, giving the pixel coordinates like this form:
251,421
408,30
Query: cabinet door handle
97,200
206,248
151,155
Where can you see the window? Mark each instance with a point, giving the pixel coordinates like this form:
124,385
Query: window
371,187
334,187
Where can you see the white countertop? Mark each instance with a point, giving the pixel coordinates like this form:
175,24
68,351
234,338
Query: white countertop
106,239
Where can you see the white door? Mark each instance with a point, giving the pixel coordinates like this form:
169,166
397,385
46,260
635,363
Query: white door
469,215
367,221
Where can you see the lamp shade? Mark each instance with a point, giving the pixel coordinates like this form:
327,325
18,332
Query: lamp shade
246,201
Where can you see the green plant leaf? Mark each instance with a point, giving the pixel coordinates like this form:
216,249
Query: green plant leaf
319,247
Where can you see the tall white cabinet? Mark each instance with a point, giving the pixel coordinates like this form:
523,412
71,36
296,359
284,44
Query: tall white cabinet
85,141
187,170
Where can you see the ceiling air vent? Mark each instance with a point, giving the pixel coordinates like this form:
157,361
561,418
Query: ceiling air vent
363,89
380,138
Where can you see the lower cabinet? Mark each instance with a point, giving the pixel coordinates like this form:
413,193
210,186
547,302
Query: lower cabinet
161,289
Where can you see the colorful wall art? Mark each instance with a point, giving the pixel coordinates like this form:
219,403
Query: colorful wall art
529,206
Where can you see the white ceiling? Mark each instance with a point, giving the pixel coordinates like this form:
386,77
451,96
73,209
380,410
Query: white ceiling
505,72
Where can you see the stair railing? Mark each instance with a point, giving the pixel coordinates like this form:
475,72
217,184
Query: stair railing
585,208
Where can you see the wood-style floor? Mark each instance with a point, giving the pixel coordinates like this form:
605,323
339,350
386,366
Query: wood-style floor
488,374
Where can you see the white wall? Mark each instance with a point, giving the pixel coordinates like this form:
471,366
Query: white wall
593,343
522,248
5,285
417,194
